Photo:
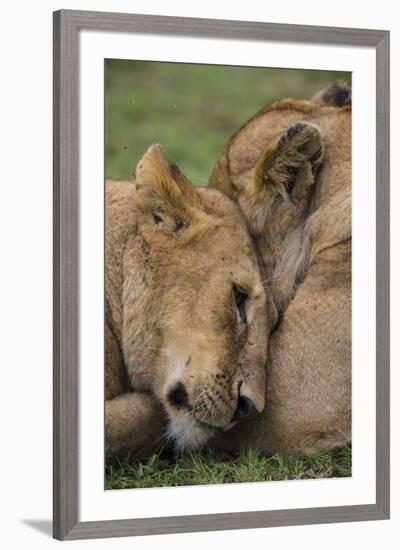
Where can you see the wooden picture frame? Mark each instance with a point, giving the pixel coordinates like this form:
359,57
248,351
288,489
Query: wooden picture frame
67,26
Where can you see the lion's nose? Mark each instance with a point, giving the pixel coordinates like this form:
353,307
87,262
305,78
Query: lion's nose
244,408
178,397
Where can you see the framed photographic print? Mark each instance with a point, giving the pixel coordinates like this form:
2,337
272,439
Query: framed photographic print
221,274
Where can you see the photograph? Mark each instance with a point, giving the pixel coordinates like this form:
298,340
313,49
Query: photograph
228,274
197,276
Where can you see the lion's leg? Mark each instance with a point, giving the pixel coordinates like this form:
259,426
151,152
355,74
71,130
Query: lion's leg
135,423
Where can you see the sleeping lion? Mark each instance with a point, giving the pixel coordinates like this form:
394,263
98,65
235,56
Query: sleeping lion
218,338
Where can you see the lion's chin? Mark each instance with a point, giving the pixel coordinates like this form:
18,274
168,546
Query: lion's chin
187,433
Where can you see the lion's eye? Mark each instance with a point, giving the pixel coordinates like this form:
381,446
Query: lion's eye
240,301
157,219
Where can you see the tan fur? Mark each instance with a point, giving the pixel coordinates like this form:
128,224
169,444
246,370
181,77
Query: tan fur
173,254
305,243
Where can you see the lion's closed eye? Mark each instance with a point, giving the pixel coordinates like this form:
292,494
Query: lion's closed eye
241,298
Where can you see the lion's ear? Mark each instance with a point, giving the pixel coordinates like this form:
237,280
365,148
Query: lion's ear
155,172
337,94
287,169
292,161
163,190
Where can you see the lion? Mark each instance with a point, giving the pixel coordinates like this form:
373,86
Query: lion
186,317
289,169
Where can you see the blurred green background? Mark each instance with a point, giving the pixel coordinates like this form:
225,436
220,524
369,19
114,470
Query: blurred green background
190,109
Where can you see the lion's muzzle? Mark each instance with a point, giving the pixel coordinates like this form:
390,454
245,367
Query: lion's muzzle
210,406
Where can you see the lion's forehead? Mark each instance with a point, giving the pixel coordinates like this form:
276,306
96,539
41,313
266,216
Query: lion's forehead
220,206
233,263
228,244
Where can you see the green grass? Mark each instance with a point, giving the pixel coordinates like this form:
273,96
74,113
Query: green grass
193,110
203,468
190,109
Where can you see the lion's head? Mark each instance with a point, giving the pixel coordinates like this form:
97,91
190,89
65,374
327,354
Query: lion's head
195,315
289,169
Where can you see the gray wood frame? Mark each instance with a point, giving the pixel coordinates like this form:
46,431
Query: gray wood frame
67,25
